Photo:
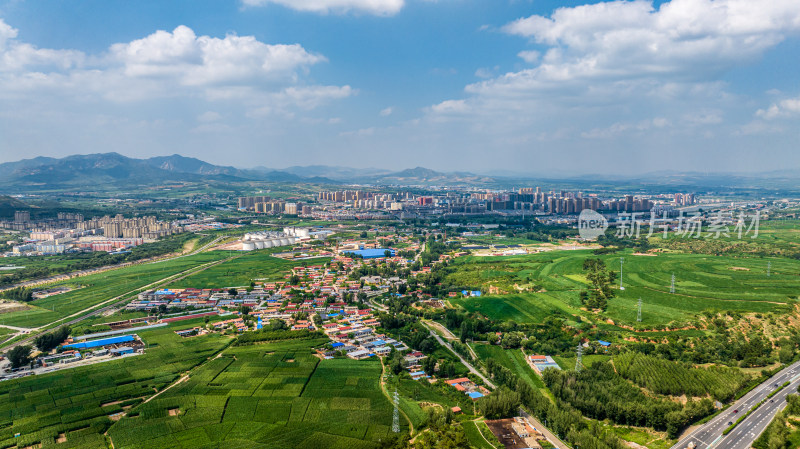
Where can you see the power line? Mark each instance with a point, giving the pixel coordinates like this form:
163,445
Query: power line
621,261
579,360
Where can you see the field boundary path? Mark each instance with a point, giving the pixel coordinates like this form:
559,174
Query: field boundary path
389,398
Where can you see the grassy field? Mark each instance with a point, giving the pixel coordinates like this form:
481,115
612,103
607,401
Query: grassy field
75,404
703,283
239,272
101,287
512,359
274,395
477,439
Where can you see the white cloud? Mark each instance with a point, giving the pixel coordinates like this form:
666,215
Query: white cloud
209,116
530,56
385,112
600,67
451,107
163,65
783,108
695,39
376,7
204,60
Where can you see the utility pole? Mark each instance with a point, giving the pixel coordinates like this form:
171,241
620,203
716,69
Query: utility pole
672,284
639,315
621,261
579,360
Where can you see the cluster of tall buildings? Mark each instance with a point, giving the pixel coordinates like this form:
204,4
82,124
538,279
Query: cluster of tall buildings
70,232
561,203
684,199
266,205
130,228
24,222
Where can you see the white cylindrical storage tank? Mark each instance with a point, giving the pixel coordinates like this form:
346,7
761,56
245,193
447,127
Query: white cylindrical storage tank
260,244
269,243
303,233
292,240
248,246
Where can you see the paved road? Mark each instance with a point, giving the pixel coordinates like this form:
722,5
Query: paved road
463,360
544,430
710,435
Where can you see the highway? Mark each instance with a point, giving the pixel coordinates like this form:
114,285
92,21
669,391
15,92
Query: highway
709,435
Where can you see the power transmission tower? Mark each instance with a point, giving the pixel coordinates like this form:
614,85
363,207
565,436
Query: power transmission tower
672,285
639,315
769,267
621,261
579,360
396,414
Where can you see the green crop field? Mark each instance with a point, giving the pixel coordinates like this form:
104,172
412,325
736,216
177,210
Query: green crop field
275,395
75,404
240,271
102,287
703,283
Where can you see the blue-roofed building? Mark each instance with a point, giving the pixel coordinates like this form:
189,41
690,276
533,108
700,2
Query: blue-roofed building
260,324
376,253
476,293
121,351
337,344
603,343
101,342
475,395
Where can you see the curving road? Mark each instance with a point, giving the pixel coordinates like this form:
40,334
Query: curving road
709,435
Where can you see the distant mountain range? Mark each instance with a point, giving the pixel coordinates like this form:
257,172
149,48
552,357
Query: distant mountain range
116,169
107,168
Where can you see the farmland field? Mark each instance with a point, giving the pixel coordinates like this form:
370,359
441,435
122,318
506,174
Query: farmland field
76,403
101,287
270,395
512,359
703,283
239,272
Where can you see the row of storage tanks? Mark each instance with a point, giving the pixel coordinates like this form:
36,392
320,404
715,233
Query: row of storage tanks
269,239
261,240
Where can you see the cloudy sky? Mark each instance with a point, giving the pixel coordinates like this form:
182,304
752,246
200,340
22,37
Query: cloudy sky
533,86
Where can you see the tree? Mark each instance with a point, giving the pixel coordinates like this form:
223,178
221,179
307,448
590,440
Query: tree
502,403
601,279
244,310
46,342
19,356
278,325
233,292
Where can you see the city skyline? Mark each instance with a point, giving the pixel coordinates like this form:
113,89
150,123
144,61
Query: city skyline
613,87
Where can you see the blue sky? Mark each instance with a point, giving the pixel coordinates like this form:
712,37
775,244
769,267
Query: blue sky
531,86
